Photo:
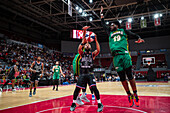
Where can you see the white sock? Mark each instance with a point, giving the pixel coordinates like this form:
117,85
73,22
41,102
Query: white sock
78,96
99,101
83,93
74,101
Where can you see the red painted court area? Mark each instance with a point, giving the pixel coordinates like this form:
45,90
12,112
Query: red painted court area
112,104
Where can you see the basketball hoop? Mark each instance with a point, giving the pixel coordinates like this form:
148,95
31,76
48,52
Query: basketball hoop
149,63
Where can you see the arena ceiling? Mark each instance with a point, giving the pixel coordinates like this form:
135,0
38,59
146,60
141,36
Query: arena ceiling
49,17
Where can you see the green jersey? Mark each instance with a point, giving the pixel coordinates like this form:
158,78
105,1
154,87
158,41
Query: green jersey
119,45
56,74
118,41
76,64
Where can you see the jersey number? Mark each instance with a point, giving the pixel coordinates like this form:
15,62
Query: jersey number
117,38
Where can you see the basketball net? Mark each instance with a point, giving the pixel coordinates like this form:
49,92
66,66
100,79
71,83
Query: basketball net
149,63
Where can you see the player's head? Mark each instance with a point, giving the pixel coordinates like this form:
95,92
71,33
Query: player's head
17,63
115,25
57,63
38,58
20,74
87,47
27,74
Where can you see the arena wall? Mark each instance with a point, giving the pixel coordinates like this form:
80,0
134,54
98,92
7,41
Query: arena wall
150,44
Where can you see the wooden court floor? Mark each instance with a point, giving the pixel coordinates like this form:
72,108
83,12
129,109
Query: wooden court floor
20,97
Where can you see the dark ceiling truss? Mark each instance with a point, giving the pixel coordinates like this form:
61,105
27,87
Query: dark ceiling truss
52,15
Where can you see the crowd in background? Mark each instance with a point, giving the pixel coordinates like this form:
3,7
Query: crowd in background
25,54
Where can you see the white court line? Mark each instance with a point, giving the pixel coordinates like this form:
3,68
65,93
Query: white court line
57,98
52,109
127,108
94,105
54,98
33,102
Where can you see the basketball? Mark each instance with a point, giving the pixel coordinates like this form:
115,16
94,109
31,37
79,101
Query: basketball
90,36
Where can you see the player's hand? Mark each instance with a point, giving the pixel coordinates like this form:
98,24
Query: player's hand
64,75
101,11
41,76
139,40
86,27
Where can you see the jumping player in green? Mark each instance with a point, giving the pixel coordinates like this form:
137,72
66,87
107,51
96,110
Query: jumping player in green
56,76
121,57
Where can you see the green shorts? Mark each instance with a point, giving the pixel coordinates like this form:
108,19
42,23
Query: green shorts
76,66
56,77
122,62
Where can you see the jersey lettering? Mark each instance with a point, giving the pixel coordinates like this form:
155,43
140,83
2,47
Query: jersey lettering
117,38
87,61
38,67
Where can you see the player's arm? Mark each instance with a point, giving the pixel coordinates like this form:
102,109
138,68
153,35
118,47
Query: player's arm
42,69
32,70
15,68
131,34
62,72
80,48
80,51
53,68
97,51
8,71
103,22
84,32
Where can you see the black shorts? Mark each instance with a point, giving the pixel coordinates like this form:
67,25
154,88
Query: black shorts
55,81
26,81
34,77
18,78
85,79
10,77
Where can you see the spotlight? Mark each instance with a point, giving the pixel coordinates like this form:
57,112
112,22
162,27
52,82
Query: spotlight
160,15
77,7
107,23
83,14
148,51
90,19
80,10
90,1
130,20
120,21
142,18
156,16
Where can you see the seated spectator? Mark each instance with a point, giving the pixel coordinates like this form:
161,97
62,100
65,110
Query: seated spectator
117,78
2,71
19,80
48,76
166,77
26,79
